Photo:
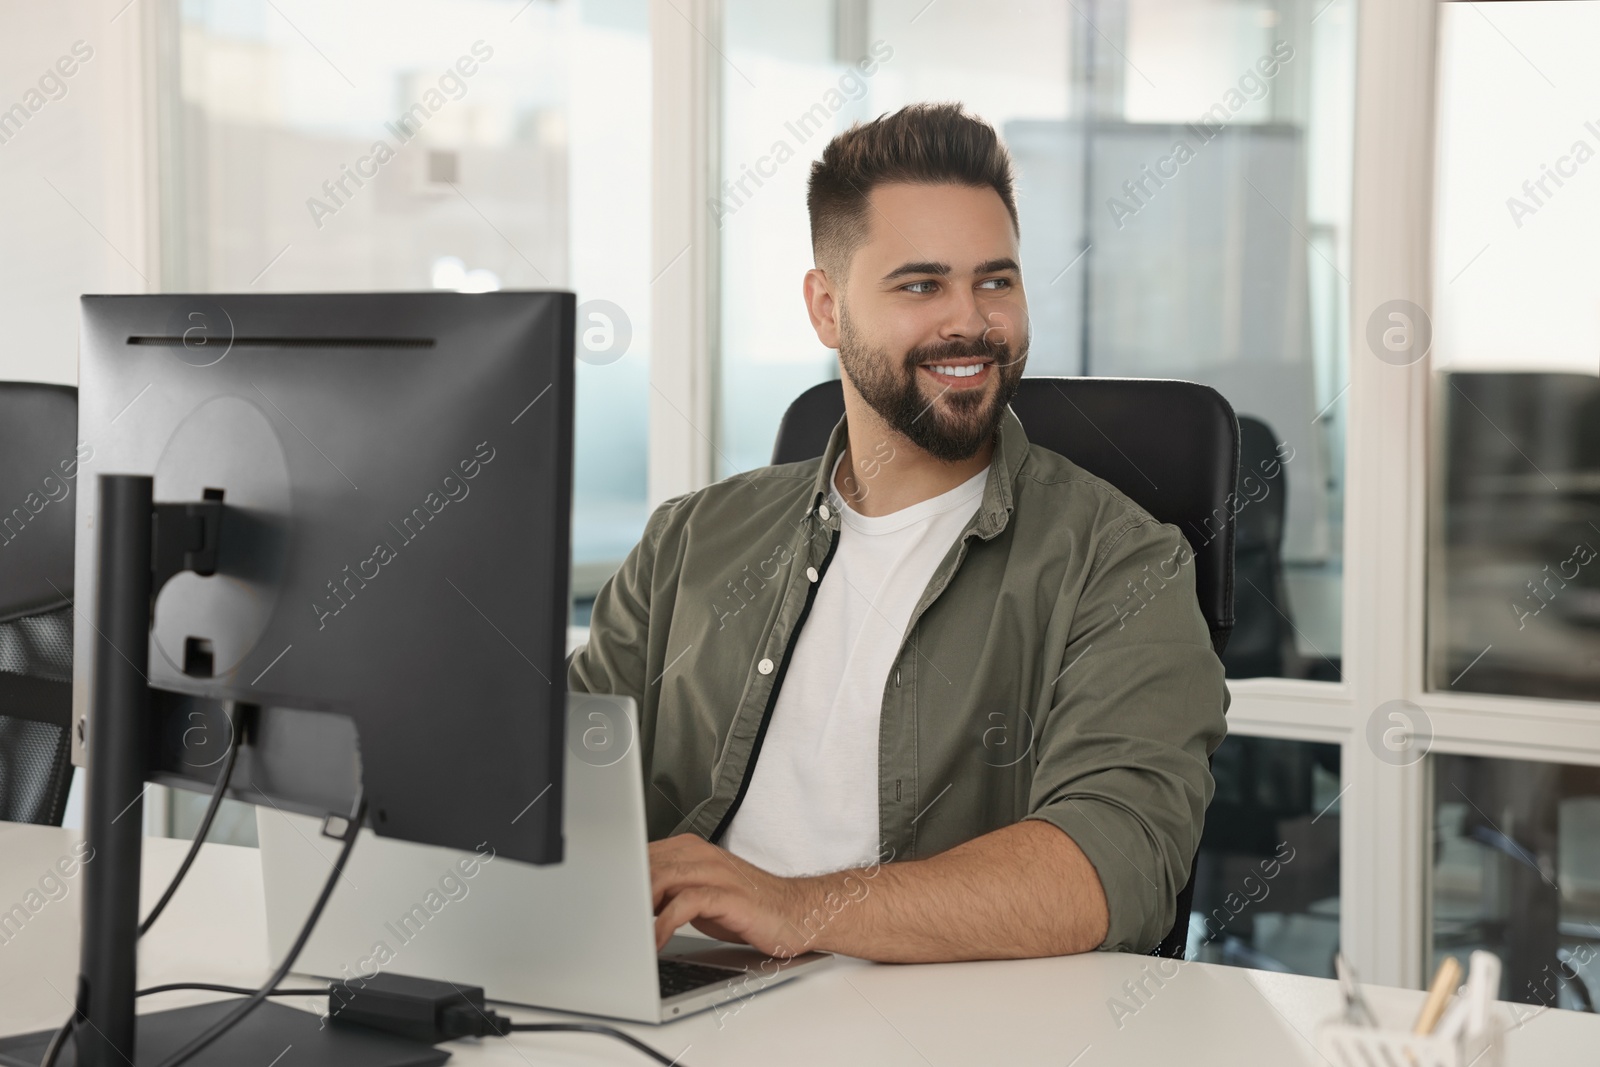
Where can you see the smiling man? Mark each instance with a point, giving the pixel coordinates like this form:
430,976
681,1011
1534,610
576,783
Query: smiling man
892,702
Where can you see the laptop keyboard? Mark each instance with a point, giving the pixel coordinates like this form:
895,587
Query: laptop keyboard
681,976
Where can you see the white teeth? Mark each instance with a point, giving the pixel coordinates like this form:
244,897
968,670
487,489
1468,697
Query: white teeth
958,372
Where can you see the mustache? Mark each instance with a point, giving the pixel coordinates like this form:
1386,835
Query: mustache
978,348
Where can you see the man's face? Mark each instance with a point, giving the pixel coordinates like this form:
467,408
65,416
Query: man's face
933,327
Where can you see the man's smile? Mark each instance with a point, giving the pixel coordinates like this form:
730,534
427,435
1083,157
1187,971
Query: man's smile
972,372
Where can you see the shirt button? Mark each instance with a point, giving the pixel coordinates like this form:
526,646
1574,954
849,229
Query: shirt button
765,666
811,573
822,510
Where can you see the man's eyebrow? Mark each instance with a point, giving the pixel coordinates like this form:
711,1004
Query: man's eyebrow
994,265
924,267
990,266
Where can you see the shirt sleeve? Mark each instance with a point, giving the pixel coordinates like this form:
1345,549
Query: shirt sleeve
1125,744
614,658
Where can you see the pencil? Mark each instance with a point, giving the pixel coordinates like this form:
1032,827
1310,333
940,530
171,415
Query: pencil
1445,981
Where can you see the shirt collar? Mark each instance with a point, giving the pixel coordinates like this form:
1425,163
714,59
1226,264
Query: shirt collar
998,497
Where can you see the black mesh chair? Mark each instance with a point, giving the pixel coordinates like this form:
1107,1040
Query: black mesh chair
38,480
1170,446
1262,644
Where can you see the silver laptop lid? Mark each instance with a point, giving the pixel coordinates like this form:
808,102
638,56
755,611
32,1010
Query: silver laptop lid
577,936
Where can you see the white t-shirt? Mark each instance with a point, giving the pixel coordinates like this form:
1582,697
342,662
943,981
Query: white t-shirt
812,803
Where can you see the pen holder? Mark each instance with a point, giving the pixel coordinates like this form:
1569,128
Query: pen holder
1393,1045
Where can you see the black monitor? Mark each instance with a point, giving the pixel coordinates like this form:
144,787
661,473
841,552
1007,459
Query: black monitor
392,579
361,509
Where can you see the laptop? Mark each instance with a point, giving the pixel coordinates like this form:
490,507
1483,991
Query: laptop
578,936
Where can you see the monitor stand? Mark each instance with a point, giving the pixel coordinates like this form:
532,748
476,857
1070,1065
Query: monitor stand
141,545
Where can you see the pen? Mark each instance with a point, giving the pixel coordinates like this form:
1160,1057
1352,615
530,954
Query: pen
1356,1011
1445,980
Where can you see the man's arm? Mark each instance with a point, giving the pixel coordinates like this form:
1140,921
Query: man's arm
613,659
1019,891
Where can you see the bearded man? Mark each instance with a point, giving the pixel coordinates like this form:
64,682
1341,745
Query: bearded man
891,702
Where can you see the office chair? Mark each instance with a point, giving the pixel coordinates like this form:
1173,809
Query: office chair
1172,447
1265,787
1262,643
1266,799
38,478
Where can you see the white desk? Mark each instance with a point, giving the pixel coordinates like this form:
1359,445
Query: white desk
1051,1011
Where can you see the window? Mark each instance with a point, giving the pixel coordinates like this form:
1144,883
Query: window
503,145
1515,551
315,147
1516,870
1267,880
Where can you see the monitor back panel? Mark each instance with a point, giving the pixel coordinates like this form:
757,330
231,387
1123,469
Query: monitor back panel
396,470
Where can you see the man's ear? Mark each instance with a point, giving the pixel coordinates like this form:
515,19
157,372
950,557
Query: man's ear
822,306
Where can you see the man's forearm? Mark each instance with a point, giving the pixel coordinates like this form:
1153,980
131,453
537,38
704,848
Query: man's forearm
1023,890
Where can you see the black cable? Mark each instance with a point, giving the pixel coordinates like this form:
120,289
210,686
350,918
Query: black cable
53,1050
200,834
212,987
225,1024
597,1028
472,1020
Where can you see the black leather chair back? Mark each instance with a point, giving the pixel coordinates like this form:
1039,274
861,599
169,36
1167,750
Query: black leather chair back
39,480
1170,446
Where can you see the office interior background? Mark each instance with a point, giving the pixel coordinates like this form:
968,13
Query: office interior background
1383,255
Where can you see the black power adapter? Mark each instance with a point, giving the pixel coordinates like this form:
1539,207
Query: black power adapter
419,1008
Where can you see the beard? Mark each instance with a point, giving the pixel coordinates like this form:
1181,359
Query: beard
953,430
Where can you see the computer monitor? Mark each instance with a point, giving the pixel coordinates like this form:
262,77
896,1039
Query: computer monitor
392,585
387,613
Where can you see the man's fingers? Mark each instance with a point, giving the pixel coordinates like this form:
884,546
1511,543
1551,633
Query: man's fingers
675,844
684,907
672,870
715,929
668,877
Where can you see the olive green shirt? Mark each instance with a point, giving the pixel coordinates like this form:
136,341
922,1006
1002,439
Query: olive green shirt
1057,667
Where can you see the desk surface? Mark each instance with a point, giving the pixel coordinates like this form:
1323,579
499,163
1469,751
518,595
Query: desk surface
1052,1011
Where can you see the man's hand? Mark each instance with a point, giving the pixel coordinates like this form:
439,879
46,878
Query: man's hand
692,880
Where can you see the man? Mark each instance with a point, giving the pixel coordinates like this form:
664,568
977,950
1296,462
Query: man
915,702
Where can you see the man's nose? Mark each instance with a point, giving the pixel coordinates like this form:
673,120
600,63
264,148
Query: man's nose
962,319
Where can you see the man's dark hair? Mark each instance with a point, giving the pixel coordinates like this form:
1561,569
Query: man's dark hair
928,144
